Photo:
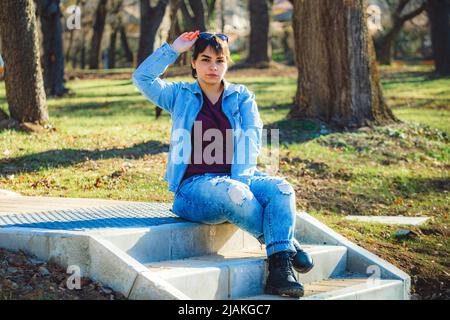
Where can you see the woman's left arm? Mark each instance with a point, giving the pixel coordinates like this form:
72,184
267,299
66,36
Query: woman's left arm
247,154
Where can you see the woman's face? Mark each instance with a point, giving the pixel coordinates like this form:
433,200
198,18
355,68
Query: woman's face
210,67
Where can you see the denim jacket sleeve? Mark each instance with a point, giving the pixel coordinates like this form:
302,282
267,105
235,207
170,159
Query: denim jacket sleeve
249,140
147,78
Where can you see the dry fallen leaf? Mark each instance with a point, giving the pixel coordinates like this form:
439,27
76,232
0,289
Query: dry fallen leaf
98,182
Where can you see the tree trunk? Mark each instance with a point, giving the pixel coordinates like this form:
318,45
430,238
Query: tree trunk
211,16
69,46
338,79
23,77
174,30
53,57
288,45
199,14
439,13
83,37
71,36
99,26
151,18
260,48
124,44
83,53
384,52
197,21
222,16
112,50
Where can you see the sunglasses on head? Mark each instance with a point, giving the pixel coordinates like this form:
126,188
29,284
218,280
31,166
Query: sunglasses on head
207,35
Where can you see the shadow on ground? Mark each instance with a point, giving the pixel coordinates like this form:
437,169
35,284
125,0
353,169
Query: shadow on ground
68,157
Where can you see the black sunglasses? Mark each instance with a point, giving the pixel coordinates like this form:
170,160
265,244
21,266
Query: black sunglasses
207,35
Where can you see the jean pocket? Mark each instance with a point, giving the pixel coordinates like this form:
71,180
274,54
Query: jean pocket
185,185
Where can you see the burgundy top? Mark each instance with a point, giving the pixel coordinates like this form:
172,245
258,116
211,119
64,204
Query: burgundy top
212,117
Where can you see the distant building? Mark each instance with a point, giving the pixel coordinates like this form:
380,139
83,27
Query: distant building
282,11
2,66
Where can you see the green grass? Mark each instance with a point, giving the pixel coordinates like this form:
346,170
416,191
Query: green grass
107,144
416,97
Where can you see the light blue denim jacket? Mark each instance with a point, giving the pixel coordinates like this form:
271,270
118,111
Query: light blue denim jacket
184,100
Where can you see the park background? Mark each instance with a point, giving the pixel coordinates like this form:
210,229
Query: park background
97,137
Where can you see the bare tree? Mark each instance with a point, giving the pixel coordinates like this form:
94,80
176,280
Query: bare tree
222,15
98,28
338,79
196,21
151,18
71,38
76,49
125,45
402,11
439,13
25,92
211,12
115,24
260,52
53,55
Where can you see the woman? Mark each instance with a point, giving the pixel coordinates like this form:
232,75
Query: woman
207,188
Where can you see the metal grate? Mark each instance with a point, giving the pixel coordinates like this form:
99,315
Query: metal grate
118,216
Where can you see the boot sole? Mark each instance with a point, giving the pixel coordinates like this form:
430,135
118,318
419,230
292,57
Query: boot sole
291,292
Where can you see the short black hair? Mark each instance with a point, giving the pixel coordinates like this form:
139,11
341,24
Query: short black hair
219,46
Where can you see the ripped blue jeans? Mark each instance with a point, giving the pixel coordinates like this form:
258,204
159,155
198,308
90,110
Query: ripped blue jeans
266,209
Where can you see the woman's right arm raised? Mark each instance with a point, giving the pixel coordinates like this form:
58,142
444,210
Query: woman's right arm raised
147,76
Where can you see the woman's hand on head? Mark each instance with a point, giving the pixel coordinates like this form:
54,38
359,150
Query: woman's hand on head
185,41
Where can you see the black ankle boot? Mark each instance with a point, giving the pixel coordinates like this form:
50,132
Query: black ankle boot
281,279
302,261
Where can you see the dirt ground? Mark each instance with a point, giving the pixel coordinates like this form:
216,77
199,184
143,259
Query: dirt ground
23,277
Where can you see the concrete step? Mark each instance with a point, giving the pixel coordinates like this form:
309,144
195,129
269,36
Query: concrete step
351,288
178,240
240,273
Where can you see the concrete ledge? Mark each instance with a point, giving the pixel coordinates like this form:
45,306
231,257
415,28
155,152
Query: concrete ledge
240,273
97,258
122,273
65,247
310,230
381,290
110,265
329,261
115,258
179,240
149,286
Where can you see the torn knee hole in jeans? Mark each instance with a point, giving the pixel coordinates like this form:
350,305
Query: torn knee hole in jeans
285,188
238,194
